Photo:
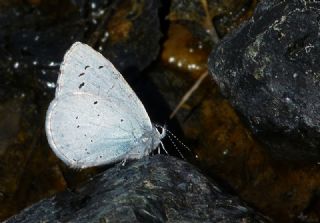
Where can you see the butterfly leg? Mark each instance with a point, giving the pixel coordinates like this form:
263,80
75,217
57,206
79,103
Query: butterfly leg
123,163
164,149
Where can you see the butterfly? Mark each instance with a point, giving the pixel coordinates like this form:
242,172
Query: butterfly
95,117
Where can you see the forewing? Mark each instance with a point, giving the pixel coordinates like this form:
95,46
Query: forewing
85,70
86,130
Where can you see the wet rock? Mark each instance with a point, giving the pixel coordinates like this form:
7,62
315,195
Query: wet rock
34,37
153,189
216,17
269,71
33,41
133,34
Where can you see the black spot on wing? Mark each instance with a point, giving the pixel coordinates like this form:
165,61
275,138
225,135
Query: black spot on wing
86,67
100,67
96,102
81,85
78,126
81,74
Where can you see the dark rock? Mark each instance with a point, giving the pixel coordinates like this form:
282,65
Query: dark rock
269,70
33,39
33,42
137,35
153,189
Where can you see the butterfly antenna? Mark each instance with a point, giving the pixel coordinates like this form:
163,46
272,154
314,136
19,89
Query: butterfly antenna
175,146
177,139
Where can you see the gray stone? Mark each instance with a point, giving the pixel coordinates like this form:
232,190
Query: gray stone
269,70
153,189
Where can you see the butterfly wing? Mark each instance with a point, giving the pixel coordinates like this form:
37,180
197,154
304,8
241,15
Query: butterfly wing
87,130
95,118
86,70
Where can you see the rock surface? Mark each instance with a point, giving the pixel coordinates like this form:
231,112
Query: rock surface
33,39
153,189
269,70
